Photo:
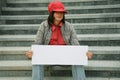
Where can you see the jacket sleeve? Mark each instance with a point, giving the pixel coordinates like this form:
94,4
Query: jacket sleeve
39,36
73,36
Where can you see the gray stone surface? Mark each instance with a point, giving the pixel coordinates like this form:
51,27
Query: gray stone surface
68,16
2,4
100,53
92,65
46,1
67,8
84,39
97,24
74,18
81,37
58,78
96,49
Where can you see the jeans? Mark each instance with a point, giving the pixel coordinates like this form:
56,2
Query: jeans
78,72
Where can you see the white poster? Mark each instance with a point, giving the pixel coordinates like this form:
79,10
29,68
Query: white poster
59,55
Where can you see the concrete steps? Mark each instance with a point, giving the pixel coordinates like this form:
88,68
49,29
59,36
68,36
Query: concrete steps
67,8
71,10
22,68
66,2
100,53
94,49
68,16
58,78
97,23
46,1
92,65
76,26
83,28
84,39
73,18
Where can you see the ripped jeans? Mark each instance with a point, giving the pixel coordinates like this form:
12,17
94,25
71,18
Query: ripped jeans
78,72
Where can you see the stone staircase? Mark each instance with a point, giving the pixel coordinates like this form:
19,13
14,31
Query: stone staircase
97,23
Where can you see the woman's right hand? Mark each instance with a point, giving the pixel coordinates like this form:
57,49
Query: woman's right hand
29,54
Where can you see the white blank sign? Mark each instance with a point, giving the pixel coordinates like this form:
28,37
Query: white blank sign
59,55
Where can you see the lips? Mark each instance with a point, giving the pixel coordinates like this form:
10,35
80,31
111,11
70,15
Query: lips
59,17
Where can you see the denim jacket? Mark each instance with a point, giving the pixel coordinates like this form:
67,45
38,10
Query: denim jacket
44,34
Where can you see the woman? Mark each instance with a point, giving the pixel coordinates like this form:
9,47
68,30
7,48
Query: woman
56,31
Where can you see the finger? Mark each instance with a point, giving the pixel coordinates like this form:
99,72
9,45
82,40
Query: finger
29,56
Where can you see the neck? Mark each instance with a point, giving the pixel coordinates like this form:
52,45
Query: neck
56,22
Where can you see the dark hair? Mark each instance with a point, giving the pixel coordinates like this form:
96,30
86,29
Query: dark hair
51,18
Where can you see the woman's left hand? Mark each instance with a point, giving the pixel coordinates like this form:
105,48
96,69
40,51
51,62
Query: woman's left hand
89,55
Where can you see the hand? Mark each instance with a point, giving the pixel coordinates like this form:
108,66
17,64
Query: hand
29,54
89,55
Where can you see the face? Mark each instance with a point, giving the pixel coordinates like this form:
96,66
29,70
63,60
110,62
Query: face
58,16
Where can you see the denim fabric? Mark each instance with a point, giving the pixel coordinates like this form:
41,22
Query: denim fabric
77,72
37,72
